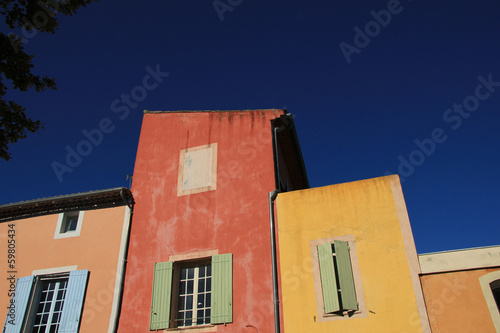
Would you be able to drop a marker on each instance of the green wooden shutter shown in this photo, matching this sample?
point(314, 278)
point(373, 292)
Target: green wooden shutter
point(162, 294)
point(222, 289)
point(328, 280)
point(346, 279)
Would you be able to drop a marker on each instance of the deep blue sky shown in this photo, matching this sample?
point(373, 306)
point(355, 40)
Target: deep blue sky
point(355, 120)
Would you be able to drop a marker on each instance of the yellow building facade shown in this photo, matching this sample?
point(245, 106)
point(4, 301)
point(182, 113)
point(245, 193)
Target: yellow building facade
point(347, 260)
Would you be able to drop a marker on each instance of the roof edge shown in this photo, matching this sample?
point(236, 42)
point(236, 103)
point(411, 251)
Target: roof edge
point(461, 259)
point(118, 196)
point(214, 111)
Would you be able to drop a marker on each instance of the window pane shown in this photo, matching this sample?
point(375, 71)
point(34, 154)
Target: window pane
point(202, 271)
point(182, 301)
point(189, 315)
point(191, 273)
point(200, 317)
point(72, 222)
point(58, 306)
point(496, 295)
point(201, 286)
point(55, 318)
point(189, 302)
point(209, 284)
point(208, 300)
point(183, 288)
point(190, 286)
point(183, 273)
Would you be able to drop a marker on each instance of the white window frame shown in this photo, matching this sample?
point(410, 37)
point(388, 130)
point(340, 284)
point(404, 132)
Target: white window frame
point(35, 299)
point(59, 233)
point(175, 297)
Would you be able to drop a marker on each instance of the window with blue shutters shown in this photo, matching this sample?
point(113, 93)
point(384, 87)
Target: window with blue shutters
point(48, 303)
point(192, 293)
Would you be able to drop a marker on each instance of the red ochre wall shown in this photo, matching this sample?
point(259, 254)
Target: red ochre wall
point(234, 218)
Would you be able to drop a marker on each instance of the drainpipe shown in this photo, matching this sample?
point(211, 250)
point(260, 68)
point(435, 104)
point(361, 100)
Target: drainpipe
point(272, 197)
point(274, 262)
point(116, 308)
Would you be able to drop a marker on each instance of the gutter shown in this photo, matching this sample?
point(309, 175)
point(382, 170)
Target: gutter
point(272, 197)
point(122, 263)
point(272, 225)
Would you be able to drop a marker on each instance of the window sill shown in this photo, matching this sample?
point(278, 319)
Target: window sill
point(193, 329)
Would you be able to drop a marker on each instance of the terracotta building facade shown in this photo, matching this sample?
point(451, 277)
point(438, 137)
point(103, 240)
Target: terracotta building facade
point(200, 246)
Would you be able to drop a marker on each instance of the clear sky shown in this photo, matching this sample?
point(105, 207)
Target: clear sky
point(376, 87)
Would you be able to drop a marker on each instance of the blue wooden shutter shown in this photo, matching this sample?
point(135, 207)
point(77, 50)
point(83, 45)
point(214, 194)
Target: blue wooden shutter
point(162, 295)
point(222, 289)
point(328, 280)
point(21, 297)
point(346, 279)
point(73, 302)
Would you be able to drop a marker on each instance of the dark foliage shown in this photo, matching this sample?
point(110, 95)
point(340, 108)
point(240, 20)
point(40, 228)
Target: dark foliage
point(16, 66)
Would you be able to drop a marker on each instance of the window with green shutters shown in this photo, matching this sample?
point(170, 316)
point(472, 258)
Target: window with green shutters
point(192, 293)
point(337, 281)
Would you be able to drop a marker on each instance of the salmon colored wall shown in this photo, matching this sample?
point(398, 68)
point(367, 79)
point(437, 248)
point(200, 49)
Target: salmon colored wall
point(456, 303)
point(96, 249)
point(234, 218)
point(372, 212)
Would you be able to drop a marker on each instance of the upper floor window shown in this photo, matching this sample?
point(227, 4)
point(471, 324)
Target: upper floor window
point(69, 224)
point(337, 279)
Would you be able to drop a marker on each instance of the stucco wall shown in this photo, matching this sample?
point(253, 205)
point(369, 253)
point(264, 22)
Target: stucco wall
point(96, 249)
point(233, 218)
point(456, 302)
point(373, 212)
